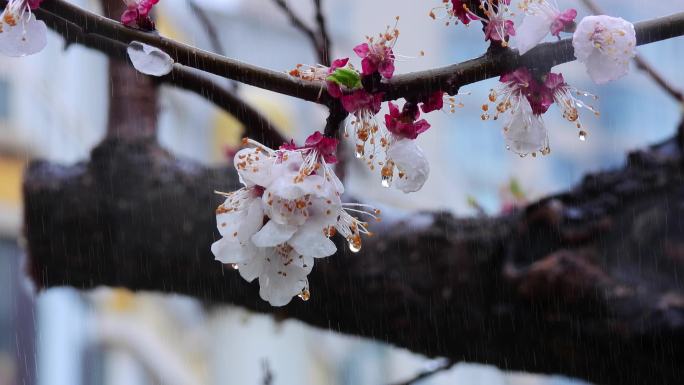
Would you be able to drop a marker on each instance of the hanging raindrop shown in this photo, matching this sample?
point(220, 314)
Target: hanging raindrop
point(386, 181)
point(234, 266)
point(583, 135)
point(355, 247)
point(304, 295)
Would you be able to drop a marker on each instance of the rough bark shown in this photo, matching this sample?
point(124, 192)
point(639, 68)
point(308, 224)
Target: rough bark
point(585, 283)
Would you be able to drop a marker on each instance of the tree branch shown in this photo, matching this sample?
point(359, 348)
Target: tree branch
point(256, 125)
point(411, 85)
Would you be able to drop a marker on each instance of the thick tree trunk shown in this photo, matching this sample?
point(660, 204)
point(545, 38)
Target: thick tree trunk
point(586, 283)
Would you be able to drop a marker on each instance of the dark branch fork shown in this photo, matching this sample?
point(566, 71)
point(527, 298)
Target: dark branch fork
point(411, 85)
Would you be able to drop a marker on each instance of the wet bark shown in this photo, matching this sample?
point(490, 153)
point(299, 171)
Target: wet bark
point(586, 283)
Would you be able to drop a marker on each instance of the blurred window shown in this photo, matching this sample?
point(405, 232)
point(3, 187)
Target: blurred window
point(4, 99)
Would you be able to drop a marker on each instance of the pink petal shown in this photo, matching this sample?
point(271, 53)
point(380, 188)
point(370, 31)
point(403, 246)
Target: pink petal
point(386, 68)
point(338, 63)
point(368, 66)
point(362, 50)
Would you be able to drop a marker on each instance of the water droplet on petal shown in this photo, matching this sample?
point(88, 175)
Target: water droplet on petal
point(583, 135)
point(386, 181)
point(304, 295)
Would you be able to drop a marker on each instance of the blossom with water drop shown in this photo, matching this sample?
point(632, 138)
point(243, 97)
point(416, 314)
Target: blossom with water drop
point(282, 219)
point(406, 167)
point(524, 131)
point(363, 107)
point(524, 97)
point(542, 17)
point(569, 100)
point(605, 45)
point(137, 14)
point(21, 34)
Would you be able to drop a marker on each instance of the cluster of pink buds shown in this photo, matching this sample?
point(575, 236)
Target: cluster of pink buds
point(523, 98)
point(137, 14)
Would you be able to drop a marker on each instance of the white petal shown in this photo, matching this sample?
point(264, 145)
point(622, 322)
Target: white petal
point(525, 132)
point(310, 241)
point(253, 267)
point(229, 223)
point(283, 278)
point(605, 45)
point(273, 234)
point(252, 222)
point(411, 160)
point(149, 60)
point(226, 250)
point(286, 187)
point(28, 37)
point(603, 70)
point(254, 166)
point(581, 38)
point(531, 32)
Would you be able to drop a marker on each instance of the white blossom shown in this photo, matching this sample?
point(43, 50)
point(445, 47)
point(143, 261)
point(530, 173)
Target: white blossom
point(605, 45)
point(21, 34)
point(274, 227)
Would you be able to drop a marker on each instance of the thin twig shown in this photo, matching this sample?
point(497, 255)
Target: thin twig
point(428, 373)
point(212, 32)
point(417, 84)
point(323, 35)
point(298, 23)
point(642, 63)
